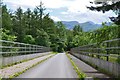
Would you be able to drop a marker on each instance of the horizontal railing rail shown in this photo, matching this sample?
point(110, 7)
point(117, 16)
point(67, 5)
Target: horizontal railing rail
point(9, 48)
point(108, 48)
point(105, 56)
point(16, 52)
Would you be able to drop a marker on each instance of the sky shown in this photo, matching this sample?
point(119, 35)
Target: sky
point(64, 10)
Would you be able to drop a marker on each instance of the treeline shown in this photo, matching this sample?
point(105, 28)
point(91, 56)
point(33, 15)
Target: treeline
point(36, 27)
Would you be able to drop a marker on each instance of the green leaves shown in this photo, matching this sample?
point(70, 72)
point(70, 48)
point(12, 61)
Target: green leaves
point(36, 27)
point(42, 38)
point(6, 35)
point(29, 39)
point(106, 6)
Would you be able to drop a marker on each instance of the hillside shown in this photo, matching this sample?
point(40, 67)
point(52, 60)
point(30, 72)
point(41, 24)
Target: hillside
point(87, 26)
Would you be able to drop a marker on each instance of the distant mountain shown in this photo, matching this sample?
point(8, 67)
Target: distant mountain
point(70, 24)
point(87, 26)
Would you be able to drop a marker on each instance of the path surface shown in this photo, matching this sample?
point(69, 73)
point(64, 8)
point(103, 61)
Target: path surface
point(58, 66)
point(88, 70)
point(9, 71)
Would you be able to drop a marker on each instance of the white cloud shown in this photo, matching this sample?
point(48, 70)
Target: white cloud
point(96, 17)
point(79, 6)
point(55, 18)
point(50, 3)
point(49, 11)
point(47, 3)
point(57, 3)
point(64, 13)
point(76, 9)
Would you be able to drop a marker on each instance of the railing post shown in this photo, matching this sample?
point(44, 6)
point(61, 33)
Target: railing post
point(1, 57)
point(35, 49)
point(30, 48)
point(98, 54)
point(25, 49)
point(107, 57)
point(1, 60)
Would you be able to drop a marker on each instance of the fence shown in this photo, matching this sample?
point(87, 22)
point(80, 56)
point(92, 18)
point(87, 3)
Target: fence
point(11, 52)
point(105, 56)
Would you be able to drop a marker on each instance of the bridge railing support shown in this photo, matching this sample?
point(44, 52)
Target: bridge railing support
point(106, 56)
point(14, 50)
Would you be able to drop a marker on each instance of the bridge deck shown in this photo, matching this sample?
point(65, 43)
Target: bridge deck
point(58, 66)
point(87, 69)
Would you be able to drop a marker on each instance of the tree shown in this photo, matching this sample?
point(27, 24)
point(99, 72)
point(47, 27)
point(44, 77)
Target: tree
point(40, 10)
point(42, 38)
point(77, 29)
point(28, 20)
point(48, 24)
point(62, 40)
point(6, 19)
point(19, 25)
point(29, 39)
point(115, 6)
point(6, 35)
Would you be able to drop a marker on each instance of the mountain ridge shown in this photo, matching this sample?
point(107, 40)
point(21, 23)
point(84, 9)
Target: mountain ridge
point(87, 26)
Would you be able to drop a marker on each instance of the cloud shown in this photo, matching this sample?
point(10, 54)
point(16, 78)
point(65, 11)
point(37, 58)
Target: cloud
point(69, 10)
point(50, 3)
point(47, 3)
point(55, 18)
point(64, 13)
point(79, 6)
point(96, 17)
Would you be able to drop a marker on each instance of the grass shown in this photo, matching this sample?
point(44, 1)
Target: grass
point(0, 78)
point(111, 58)
point(79, 73)
point(18, 73)
point(54, 52)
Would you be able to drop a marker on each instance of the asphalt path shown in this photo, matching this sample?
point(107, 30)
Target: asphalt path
point(58, 66)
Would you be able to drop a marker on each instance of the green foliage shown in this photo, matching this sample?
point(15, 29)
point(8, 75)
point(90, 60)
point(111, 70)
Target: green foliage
point(36, 27)
point(42, 38)
point(118, 60)
point(29, 39)
point(6, 18)
point(6, 35)
point(77, 29)
point(108, 5)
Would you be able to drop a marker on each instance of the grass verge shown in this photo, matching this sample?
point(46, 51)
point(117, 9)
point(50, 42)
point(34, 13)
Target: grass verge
point(79, 73)
point(54, 52)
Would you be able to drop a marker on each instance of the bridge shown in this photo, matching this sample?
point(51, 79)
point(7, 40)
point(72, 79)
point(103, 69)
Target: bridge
point(99, 60)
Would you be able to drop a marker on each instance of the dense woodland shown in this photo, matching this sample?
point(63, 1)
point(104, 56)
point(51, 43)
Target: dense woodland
point(36, 27)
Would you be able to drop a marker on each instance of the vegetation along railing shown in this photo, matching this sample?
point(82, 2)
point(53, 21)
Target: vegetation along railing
point(12, 52)
point(105, 55)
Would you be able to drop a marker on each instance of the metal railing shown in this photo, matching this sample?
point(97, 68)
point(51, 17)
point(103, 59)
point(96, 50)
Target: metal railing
point(104, 56)
point(9, 48)
point(15, 52)
point(105, 50)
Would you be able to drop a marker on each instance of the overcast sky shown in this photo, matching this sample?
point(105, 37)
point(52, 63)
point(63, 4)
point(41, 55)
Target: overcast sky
point(64, 10)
